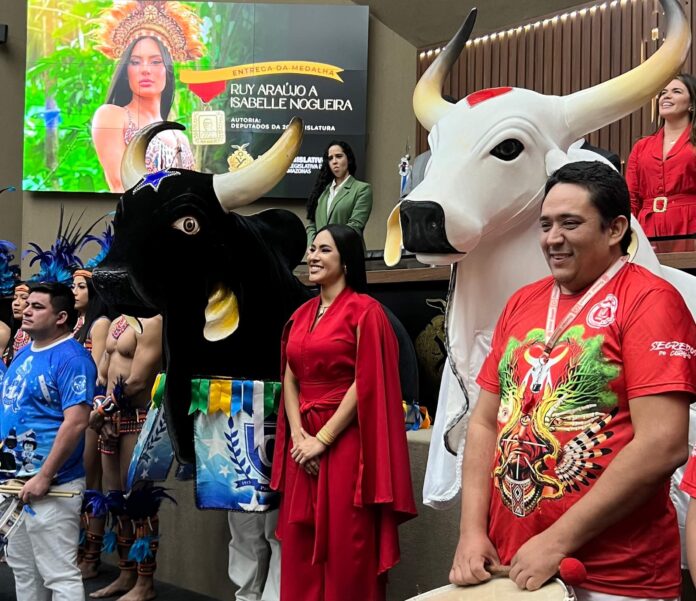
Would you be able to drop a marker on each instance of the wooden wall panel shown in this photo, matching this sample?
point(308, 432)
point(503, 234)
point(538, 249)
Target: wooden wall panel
point(565, 52)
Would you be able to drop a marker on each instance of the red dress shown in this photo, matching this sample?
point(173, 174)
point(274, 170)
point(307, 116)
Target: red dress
point(339, 529)
point(651, 180)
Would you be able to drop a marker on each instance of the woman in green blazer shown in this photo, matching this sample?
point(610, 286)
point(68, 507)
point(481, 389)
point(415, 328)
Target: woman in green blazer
point(337, 196)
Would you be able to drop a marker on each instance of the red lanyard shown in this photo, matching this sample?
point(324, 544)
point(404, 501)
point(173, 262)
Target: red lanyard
point(553, 333)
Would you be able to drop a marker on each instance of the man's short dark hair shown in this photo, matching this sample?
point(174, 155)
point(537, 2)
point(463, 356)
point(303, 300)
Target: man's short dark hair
point(606, 187)
point(62, 299)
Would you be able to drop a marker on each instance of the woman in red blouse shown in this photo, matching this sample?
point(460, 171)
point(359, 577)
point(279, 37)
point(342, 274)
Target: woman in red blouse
point(341, 460)
point(661, 171)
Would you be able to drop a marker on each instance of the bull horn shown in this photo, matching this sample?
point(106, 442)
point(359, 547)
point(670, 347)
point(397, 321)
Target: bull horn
point(133, 162)
point(243, 187)
point(428, 103)
point(588, 110)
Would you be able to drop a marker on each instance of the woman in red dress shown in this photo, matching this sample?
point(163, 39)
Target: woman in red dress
point(661, 170)
point(341, 460)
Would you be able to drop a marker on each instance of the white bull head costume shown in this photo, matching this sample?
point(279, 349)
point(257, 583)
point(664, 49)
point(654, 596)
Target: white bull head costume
point(478, 207)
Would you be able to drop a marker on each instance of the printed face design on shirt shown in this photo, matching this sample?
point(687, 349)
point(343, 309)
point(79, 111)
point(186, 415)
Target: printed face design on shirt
point(573, 396)
point(12, 391)
point(19, 452)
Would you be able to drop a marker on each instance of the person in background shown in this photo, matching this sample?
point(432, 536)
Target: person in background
point(661, 170)
point(337, 197)
point(90, 331)
point(19, 337)
point(127, 371)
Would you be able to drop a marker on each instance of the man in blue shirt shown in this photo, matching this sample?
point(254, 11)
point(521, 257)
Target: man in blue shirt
point(46, 399)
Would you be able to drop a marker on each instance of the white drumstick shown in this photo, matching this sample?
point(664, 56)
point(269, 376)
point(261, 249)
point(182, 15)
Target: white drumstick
point(11, 489)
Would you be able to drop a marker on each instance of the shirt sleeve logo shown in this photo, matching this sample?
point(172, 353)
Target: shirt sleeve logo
point(603, 313)
point(79, 384)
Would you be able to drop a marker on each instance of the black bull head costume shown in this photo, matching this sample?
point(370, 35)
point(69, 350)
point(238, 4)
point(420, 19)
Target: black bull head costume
point(179, 250)
point(222, 282)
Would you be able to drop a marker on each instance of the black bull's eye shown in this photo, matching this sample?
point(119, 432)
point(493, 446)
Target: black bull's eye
point(188, 225)
point(508, 150)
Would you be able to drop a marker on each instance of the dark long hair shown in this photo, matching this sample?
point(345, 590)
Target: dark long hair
point(350, 249)
point(120, 92)
point(96, 308)
point(325, 177)
point(689, 82)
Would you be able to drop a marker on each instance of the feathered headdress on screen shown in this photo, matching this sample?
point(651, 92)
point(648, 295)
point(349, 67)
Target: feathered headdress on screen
point(175, 25)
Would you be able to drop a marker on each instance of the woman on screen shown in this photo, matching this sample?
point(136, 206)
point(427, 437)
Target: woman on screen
point(146, 39)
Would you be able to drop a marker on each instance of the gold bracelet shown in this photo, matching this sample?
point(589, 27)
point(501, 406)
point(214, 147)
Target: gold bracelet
point(321, 439)
point(328, 434)
point(325, 437)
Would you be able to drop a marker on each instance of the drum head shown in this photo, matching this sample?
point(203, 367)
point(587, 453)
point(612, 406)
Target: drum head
point(496, 589)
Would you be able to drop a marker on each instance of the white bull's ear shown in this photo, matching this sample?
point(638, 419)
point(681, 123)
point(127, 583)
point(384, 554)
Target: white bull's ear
point(394, 241)
point(556, 158)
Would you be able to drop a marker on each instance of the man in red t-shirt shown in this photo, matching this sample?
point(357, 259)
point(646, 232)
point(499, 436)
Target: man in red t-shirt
point(583, 411)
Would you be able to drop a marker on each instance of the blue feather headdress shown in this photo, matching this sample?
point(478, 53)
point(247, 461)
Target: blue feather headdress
point(9, 274)
point(59, 262)
point(104, 241)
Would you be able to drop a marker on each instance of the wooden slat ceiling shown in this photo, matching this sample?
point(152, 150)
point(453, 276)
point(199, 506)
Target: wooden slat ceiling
point(428, 22)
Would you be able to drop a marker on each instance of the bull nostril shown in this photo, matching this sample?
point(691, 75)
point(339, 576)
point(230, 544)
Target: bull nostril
point(423, 226)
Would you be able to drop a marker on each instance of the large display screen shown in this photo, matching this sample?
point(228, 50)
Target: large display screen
point(232, 74)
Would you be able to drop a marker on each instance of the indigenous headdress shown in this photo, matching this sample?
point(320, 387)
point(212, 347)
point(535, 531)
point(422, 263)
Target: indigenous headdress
point(175, 25)
point(104, 241)
point(59, 262)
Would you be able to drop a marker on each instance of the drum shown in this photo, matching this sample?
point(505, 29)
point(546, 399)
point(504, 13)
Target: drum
point(11, 516)
point(498, 589)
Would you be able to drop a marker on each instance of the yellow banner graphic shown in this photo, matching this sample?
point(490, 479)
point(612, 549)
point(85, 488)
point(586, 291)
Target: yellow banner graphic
point(259, 69)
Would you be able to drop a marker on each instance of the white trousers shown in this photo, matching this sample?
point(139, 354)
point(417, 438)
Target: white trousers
point(42, 552)
point(585, 595)
point(254, 563)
